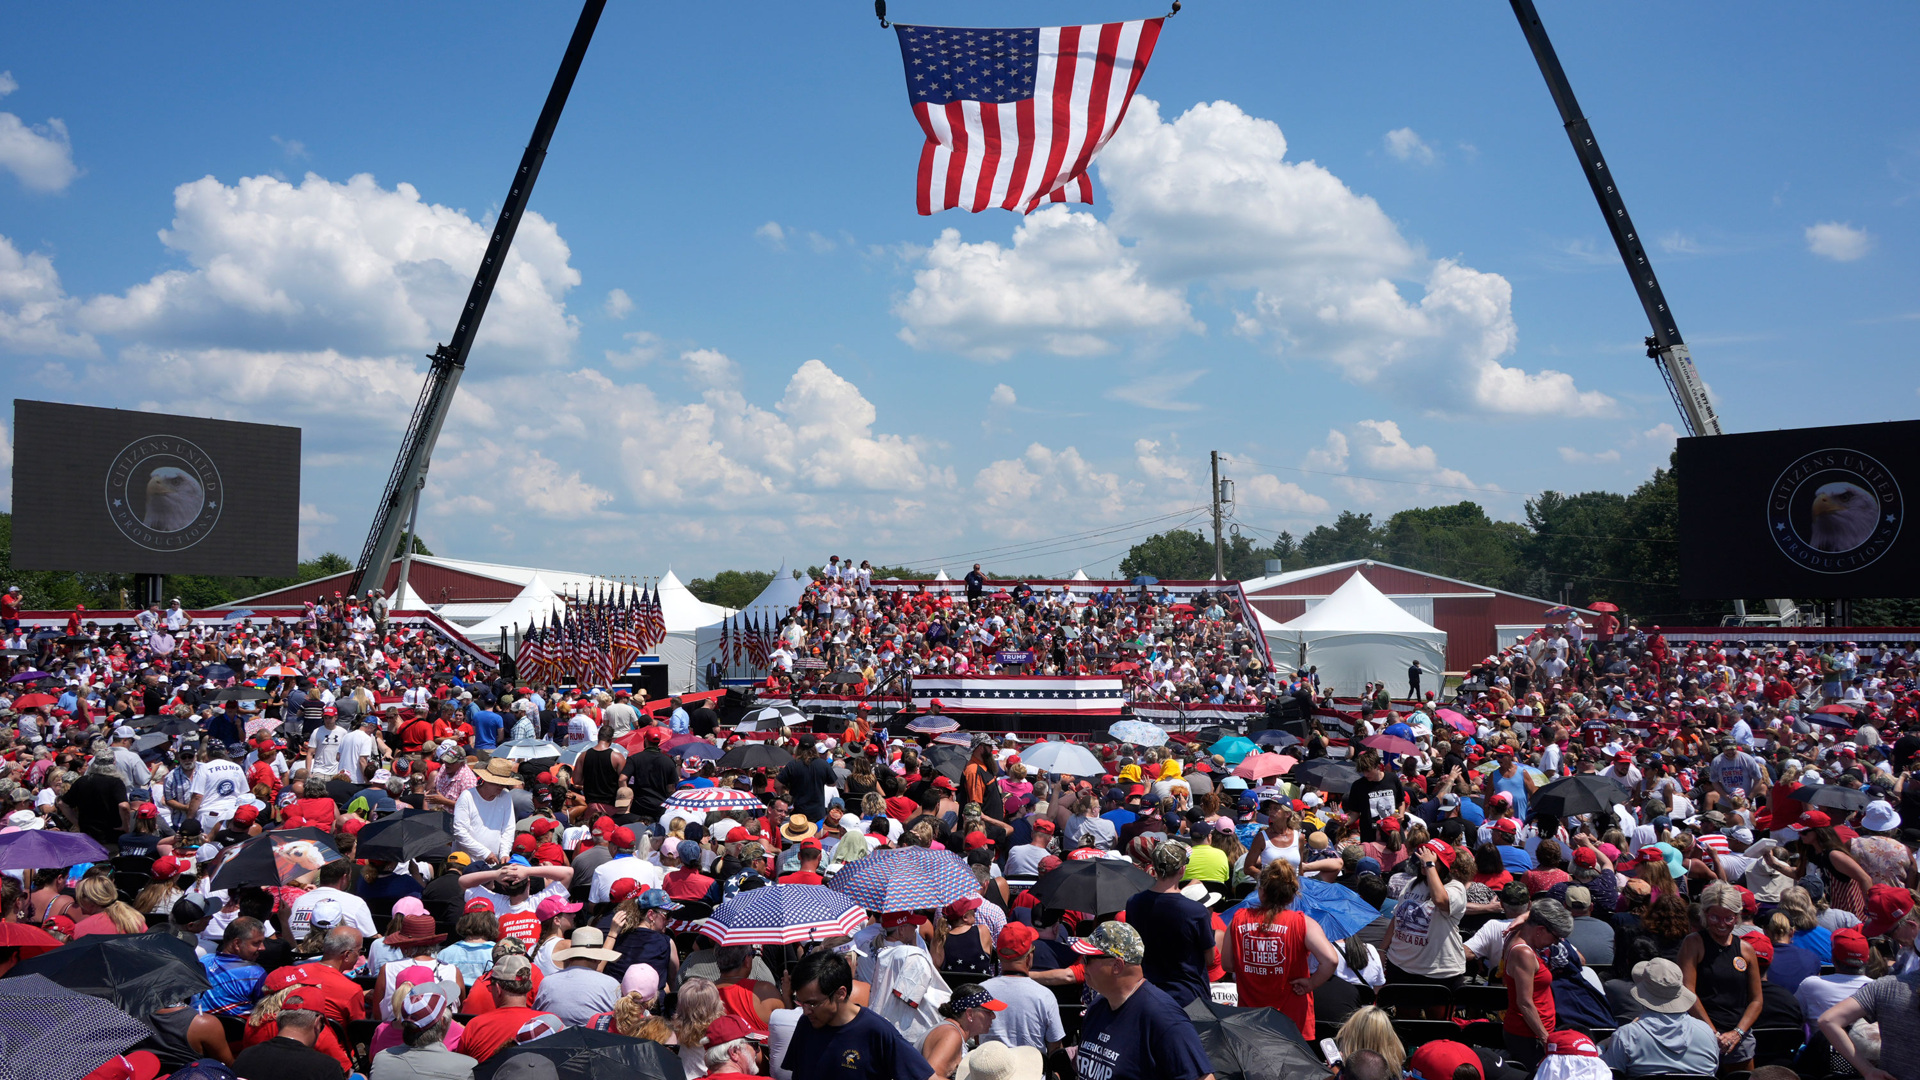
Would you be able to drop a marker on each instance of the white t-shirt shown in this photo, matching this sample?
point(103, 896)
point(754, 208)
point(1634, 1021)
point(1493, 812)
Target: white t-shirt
point(352, 909)
point(220, 784)
point(528, 901)
point(1425, 941)
point(649, 874)
point(325, 743)
point(354, 746)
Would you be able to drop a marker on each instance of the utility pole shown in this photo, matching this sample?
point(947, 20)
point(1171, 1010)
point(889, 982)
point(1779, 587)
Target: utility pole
point(1219, 550)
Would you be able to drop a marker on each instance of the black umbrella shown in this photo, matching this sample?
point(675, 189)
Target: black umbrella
point(1330, 774)
point(242, 693)
point(1096, 886)
point(1832, 796)
point(1253, 1044)
point(150, 742)
point(48, 1032)
point(1572, 796)
point(844, 677)
point(408, 835)
point(755, 755)
point(276, 858)
point(216, 672)
point(138, 973)
point(146, 723)
point(949, 761)
point(586, 1054)
point(1277, 739)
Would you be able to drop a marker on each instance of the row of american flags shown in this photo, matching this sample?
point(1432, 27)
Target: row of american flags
point(594, 639)
point(744, 639)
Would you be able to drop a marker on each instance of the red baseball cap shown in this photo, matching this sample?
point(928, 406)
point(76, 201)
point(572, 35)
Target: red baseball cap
point(525, 843)
point(1851, 944)
point(1044, 824)
point(1016, 940)
point(1586, 856)
point(550, 855)
point(943, 783)
point(541, 826)
point(624, 888)
point(478, 904)
point(729, 1028)
point(977, 839)
point(1812, 819)
point(1624, 757)
point(1505, 825)
point(1762, 945)
point(1439, 1060)
point(893, 920)
point(1439, 849)
point(621, 837)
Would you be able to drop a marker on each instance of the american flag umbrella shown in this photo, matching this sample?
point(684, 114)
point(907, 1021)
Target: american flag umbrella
point(905, 879)
point(932, 725)
point(708, 799)
point(784, 914)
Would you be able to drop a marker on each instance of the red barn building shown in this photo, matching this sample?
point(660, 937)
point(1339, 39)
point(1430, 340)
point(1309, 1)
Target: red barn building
point(1477, 618)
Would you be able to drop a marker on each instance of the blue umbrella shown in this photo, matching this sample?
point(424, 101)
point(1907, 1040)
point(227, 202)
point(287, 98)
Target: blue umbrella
point(1277, 739)
point(1146, 579)
point(699, 751)
point(1234, 748)
point(1139, 733)
point(932, 724)
point(1338, 909)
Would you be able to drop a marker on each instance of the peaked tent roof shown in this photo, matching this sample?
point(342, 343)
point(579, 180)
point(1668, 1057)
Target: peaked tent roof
point(683, 610)
point(782, 594)
point(1358, 605)
point(1079, 575)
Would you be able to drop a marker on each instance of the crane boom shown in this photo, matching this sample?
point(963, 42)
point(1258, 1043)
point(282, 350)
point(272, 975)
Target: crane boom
point(1665, 344)
point(450, 359)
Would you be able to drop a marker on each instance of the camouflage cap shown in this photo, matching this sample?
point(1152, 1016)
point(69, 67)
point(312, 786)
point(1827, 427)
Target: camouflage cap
point(1115, 939)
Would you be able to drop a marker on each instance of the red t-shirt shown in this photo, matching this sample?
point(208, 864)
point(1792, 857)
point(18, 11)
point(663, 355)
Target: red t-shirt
point(1269, 957)
point(798, 877)
point(687, 883)
point(318, 813)
point(524, 925)
point(480, 996)
point(95, 924)
point(490, 1031)
point(742, 1002)
point(342, 998)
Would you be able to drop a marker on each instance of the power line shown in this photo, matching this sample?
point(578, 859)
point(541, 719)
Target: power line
point(1380, 479)
point(1530, 532)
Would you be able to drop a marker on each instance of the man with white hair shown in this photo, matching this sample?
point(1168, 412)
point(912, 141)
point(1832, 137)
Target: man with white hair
point(733, 1049)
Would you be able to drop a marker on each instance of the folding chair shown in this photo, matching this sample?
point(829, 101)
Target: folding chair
point(1403, 999)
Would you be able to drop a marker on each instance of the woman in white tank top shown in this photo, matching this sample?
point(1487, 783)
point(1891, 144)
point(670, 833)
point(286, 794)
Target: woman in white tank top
point(1280, 839)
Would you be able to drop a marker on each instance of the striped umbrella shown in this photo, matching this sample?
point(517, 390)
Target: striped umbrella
point(708, 799)
point(285, 671)
point(906, 879)
point(784, 914)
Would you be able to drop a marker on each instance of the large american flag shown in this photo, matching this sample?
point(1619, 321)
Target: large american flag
point(1014, 117)
point(1087, 695)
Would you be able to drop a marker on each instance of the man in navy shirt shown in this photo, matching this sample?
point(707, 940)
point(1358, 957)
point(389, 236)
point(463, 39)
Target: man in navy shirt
point(1176, 933)
point(838, 1040)
point(1134, 1031)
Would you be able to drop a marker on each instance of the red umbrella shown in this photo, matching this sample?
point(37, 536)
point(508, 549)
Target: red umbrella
point(30, 701)
point(1601, 605)
point(1456, 721)
point(1837, 709)
point(1391, 744)
point(29, 939)
point(1124, 665)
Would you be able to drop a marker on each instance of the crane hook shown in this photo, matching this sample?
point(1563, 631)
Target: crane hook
point(880, 12)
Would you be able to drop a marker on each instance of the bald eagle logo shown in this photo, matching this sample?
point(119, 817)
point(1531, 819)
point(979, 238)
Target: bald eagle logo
point(164, 493)
point(174, 498)
point(1835, 511)
point(1844, 516)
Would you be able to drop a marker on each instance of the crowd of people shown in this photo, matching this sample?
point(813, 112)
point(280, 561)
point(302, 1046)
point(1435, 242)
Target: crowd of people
point(1165, 647)
point(1739, 895)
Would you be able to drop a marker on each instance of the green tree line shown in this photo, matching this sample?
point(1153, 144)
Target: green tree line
point(58, 590)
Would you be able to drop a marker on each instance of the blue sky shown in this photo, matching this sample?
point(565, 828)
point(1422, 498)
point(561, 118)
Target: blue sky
point(1332, 242)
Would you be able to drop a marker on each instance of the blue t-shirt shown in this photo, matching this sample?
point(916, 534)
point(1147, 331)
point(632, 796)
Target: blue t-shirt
point(1178, 934)
point(486, 728)
point(1517, 860)
point(1148, 1038)
point(866, 1047)
point(1121, 818)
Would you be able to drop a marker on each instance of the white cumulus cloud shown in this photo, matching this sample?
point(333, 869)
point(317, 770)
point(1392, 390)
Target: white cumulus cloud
point(1576, 456)
point(1158, 391)
point(354, 267)
point(1407, 145)
point(1066, 285)
point(1003, 396)
point(618, 304)
point(1209, 200)
point(34, 309)
point(1838, 241)
point(1268, 492)
point(40, 156)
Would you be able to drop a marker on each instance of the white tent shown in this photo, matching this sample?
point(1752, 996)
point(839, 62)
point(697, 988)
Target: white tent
point(780, 597)
point(1354, 637)
point(942, 575)
point(687, 617)
point(1079, 575)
